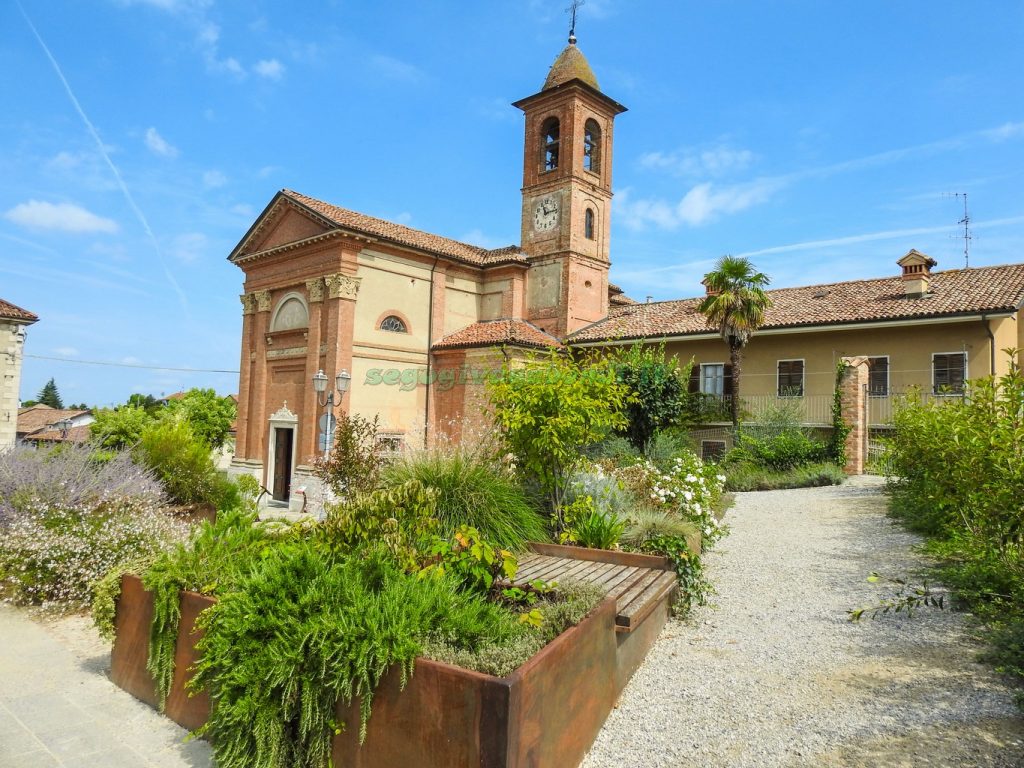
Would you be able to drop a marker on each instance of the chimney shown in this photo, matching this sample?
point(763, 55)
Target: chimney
point(917, 273)
point(707, 288)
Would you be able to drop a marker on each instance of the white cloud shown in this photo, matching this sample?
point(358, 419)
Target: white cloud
point(242, 209)
point(701, 204)
point(390, 67)
point(714, 161)
point(1004, 131)
point(189, 247)
point(63, 217)
point(272, 69)
point(65, 351)
point(214, 179)
point(64, 161)
point(158, 145)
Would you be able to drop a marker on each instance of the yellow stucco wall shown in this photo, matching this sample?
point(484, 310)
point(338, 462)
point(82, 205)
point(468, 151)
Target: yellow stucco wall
point(909, 348)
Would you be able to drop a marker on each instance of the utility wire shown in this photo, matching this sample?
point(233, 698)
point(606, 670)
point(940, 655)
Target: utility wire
point(130, 365)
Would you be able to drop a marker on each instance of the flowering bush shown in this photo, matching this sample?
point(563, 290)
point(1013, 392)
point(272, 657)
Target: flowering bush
point(687, 487)
point(66, 519)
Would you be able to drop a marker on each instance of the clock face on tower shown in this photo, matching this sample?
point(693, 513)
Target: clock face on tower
point(545, 214)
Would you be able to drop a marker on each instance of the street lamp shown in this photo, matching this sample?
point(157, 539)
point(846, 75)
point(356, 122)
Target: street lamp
point(328, 403)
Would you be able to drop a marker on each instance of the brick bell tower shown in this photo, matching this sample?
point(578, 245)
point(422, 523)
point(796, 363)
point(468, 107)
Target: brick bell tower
point(567, 195)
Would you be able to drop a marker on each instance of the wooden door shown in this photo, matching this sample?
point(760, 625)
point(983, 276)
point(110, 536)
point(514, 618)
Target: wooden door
point(282, 462)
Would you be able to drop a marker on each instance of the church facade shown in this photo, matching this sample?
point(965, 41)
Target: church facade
point(414, 317)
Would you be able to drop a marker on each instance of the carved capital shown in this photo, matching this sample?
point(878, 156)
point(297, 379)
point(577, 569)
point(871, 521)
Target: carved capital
point(342, 286)
point(315, 289)
point(248, 303)
point(262, 301)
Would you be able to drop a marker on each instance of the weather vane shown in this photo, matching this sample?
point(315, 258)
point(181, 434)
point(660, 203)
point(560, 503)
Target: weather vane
point(572, 9)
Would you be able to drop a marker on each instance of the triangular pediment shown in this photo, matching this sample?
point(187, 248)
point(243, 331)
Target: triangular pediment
point(281, 223)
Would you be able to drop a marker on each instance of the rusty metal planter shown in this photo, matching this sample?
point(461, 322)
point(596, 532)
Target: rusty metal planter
point(546, 713)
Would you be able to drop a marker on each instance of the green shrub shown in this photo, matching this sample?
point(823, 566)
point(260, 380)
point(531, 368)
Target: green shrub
point(207, 413)
point(119, 428)
point(548, 411)
point(694, 587)
point(613, 447)
point(355, 461)
point(303, 631)
point(645, 524)
point(744, 476)
point(182, 462)
point(469, 489)
point(588, 526)
point(667, 446)
point(658, 386)
point(574, 600)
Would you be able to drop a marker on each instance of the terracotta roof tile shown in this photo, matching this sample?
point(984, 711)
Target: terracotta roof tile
point(403, 235)
point(9, 311)
point(491, 333)
point(79, 434)
point(39, 416)
point(953, 292)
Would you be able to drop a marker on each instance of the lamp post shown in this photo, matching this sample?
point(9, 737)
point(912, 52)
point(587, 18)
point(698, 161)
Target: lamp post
point(328, 403)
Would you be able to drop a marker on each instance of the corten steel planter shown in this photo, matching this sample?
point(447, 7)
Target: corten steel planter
point(131, 652)
point(546, 713)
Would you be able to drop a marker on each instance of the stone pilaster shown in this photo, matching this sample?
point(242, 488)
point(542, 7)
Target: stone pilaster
point(245, 394)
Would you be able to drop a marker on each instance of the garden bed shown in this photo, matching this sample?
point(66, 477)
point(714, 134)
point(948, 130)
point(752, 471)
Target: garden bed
point(546, 713)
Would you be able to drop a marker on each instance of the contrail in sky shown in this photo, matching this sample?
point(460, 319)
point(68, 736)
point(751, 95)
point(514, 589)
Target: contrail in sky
point(110, 163)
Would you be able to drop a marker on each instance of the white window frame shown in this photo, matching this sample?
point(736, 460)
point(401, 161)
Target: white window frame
point(700, 383)
point(966, 361)
point(803, 376)
point(888, 375)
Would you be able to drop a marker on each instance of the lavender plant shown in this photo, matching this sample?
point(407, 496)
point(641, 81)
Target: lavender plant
point(69, 516)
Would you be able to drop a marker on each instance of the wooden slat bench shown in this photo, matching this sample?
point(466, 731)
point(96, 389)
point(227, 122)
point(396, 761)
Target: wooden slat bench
point(639, 583)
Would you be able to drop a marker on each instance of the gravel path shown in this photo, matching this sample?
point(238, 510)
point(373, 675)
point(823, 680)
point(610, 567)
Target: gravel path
point(774, 675)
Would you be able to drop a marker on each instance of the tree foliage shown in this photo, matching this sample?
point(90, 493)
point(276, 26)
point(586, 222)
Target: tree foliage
point(120, 428)
point(208, 414)
point(550, 409)
point(736, 304)
point(658, 386)
point(49, 395)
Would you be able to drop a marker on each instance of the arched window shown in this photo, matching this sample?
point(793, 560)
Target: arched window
point(592, 146)
point(588, 224)
point(550, 134)
point(291, 314)
point(393, 324)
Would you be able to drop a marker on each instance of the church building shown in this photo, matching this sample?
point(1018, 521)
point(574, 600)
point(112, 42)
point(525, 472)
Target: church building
point(411, 317)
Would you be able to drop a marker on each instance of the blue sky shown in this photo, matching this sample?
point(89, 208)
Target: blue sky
point(823, 140)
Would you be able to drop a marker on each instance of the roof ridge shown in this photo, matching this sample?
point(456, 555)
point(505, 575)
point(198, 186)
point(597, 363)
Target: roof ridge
point(862, 280)
point(293, 194)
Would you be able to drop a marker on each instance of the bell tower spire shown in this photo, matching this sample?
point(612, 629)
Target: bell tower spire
point(567, 193)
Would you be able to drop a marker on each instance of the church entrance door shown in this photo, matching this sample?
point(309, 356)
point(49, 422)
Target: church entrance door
point(283, 437)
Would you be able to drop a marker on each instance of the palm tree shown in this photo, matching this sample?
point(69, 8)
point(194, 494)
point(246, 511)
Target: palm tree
point(736, 303)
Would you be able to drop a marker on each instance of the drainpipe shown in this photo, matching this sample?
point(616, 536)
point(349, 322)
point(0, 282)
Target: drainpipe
point(991, 345)
point(430, 343)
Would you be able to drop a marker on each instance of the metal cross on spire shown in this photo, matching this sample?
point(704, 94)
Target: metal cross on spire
point(573, 7)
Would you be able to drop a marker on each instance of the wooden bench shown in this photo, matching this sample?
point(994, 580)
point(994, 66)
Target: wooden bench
point(639, 583)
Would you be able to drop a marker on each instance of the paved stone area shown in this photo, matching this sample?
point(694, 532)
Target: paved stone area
point(59, 708)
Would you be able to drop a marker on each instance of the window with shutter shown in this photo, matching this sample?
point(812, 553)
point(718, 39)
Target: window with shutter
point(948, 372)
point(791, 378)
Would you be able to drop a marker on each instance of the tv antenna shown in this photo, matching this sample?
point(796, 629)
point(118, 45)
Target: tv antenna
point(967, 237)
